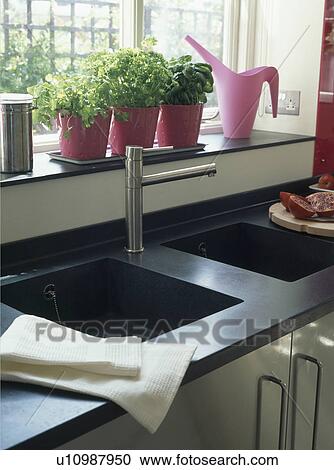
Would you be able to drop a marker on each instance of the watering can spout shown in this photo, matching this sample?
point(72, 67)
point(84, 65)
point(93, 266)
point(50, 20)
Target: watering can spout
point(204, 53)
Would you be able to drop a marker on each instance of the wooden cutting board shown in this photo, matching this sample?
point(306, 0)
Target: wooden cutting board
point(280, 216)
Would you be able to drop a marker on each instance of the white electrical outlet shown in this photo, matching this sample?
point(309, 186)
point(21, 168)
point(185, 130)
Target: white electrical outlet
point(288, 102)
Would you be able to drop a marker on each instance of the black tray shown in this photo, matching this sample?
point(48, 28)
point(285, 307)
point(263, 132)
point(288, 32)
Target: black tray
point(56, 155)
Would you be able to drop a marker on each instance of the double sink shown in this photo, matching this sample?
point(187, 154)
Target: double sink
point(109, 297)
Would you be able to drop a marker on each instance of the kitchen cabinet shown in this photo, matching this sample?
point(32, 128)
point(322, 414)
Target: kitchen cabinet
point(311, 407)
point(278, 396)
point(217, 411)
point(178, 431)
point(247, 403)
point(243, 404)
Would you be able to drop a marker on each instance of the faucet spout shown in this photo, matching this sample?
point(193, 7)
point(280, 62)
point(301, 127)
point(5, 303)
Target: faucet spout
point(180, 174)
point(134, 183)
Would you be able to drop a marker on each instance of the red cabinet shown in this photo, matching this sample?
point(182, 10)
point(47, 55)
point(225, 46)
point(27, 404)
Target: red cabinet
point(324, 148)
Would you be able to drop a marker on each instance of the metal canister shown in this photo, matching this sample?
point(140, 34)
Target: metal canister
point(16, 148)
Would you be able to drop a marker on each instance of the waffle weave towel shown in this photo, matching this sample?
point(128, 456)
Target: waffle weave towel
point(35, 340)
point(147, 396)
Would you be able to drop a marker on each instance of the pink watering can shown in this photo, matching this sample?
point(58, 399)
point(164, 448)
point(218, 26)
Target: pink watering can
point(239, 93)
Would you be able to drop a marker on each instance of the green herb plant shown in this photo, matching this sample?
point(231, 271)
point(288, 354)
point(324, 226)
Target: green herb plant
point(190, 82)
point(76, 95)
point(137, 78)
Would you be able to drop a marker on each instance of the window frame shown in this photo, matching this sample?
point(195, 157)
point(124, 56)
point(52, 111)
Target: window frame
point(238, 51)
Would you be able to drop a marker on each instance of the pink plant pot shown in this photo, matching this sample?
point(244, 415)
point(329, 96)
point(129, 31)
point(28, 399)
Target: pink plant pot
point(179, 125)
point(80, 142)
point(132, 126)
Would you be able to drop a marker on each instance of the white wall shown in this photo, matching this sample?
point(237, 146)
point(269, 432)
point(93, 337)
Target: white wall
point(39, 208)
point(279, 26)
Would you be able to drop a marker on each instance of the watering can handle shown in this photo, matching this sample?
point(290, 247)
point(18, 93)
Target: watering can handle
point(273, 80)
point(270, 75)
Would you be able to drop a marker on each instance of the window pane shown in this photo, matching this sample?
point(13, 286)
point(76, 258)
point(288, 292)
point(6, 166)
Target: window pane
point(38, 37)
point(170, 21)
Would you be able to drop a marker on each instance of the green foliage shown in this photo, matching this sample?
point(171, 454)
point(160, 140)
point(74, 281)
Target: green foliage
point(190, 82)
point(77, 95)
point(23, 65)
point(137, 77)
point(121, 116)
point(148, 43)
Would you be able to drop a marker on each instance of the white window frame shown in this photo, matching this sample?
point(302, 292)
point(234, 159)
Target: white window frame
point(211, 122)
point(131, 23)
point(239, 33)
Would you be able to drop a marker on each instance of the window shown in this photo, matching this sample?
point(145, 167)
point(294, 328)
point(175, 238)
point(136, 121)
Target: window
point(42, 36)
point(38, 37)
point(169, 22)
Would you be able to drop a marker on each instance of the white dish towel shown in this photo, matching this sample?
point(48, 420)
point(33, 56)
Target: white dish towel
point(35, 340)
point(147, 396)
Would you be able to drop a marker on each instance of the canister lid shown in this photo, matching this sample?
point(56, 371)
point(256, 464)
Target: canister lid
point(15, 98)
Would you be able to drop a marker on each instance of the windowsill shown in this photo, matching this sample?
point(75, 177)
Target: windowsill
point(49, 142)
point(46, 143)
point(216, 143)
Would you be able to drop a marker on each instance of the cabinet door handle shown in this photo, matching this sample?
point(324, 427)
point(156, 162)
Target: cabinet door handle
point(282, 385)
point(319, 365)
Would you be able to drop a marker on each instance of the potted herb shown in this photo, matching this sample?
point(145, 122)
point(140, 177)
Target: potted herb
point(182, 106)
point(137, 80)
point(81, 106)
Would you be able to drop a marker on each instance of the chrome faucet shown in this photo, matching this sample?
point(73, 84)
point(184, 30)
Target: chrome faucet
point(134, 183)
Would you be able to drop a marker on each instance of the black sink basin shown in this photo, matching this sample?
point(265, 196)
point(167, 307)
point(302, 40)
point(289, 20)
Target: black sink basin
point(109, 297)
point(283, 255)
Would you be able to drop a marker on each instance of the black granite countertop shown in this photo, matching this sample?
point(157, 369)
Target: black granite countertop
point(45, 169)
point(36, 417)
